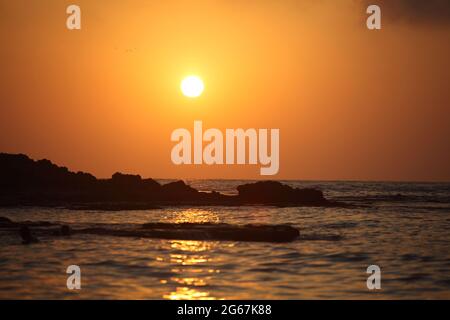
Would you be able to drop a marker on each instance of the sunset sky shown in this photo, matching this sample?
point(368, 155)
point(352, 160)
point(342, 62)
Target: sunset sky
point(350, 103)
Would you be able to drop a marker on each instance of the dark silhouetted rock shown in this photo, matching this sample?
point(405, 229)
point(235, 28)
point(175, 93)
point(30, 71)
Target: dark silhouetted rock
point(65, 231)
point(178, 190)
point(5, 220)
point(126, 179)
point(175, 231)
point(222, 231)
point(27, 237)
point(201, 231)
point(273, 192)
point(24, 181)
point(6, 223)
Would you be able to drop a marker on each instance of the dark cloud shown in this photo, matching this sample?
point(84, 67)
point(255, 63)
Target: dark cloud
point(415, 11)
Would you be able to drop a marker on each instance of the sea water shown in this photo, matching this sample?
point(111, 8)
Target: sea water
point(404, 228)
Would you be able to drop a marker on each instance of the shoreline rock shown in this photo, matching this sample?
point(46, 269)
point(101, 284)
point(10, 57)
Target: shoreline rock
point(25, 182)
point(29, 231)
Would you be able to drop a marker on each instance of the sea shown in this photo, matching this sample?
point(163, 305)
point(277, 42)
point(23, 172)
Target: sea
point(403, 228)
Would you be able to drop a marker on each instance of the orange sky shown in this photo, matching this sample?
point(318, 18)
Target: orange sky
point(350, 103)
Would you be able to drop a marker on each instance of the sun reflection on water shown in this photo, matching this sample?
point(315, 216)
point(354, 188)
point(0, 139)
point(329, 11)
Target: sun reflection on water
point(194, 216)
point(192, 273)
point(185, 293)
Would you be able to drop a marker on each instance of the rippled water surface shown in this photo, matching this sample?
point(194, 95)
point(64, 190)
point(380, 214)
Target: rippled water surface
point(403, 228)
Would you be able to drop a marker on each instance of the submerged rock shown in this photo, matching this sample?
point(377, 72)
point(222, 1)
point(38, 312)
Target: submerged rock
point(27, 237)
point(172, 231)
point(222, 231)
point(63, 231)
point(203, 231)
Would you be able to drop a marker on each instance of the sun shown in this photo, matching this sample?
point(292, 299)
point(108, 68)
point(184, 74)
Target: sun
point(192, 86)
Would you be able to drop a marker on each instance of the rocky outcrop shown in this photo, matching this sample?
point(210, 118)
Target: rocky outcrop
point(273, 192)
point(24, 181)
point(29, 231)
point(202, 231)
